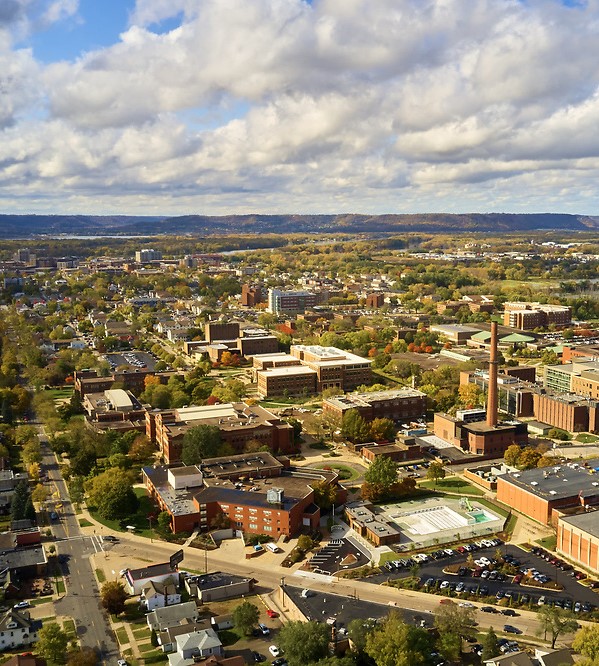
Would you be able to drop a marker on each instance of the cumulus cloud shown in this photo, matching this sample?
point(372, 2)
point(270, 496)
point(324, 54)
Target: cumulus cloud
point(330, 105)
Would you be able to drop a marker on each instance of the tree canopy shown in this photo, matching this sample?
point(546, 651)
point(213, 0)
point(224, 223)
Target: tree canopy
point(112, 494)
point(200, 442)
point(304, 642)
point(396, 643)
point(246, 616)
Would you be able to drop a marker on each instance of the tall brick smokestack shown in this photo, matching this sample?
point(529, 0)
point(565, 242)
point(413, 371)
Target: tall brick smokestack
point(492, 399)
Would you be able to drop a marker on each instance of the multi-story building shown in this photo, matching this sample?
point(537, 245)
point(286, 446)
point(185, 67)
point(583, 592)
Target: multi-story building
point(527, 316)
point(310, 369)
point(146, 255)
point(280, 301)
point(402, 405)
point(17, 629)
point(266, 499)
point(238, 424)
point(88, 381)
point(514, 396)
point(375, 300)
point(561, 377)
point(539, 493)
point(566, 411)
point(251, 295)
point(573, 352)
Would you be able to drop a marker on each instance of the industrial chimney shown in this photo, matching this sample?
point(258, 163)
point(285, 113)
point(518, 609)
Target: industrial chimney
point(492, 399)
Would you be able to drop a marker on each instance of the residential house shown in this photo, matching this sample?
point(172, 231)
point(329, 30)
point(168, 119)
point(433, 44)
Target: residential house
point(17, 629)
point(159, 594)
point(194, 646)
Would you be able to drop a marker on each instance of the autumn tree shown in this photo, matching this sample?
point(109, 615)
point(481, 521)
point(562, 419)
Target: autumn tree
point(382, 430)
point(325, 494)
point(586, 642)
point(113, 596)
point(85, 656)
point(454, 623)
point(512, 455)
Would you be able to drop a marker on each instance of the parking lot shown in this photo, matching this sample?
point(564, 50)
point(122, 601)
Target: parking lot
point(337, 555)
point(134, 359)
point(486, 590)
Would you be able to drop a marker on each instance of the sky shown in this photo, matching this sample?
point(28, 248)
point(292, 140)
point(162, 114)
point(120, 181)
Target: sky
point(170, 107)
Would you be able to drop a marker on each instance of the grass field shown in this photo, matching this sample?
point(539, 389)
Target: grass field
point(100, 576)
point(346, 473)
point(122, 635)
point(549, 543)
point(84, 522)
point(139, 520)
point(452, 484)
point(60, 394)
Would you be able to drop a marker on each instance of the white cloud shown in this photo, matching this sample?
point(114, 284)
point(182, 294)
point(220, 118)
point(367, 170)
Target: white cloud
point(335, 105)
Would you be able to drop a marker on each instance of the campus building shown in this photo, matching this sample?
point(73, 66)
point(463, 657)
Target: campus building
point(252, 493)
point(288, 302)
point(578, 538)
point(566, 411)
point(238, 424)
point(405, 404)
point(310, 369)
point(528, 316)
point(539, 493)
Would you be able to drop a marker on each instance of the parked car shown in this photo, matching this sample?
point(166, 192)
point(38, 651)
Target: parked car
point(110, 538)
point(22, 604)
point(272, 613)
point(264, 629)
point(489, 609)
point(258, 658)
point(274, 650)
point(510, 612)
point(509, 629)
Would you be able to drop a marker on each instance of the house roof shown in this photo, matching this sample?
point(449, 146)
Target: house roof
point(511, 659)
point(205, 639)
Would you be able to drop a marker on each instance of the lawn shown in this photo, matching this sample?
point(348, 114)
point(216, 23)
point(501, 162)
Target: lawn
point(42, 600)
point(452, 484)
point(139, 520)
point(494, 507)
point(60, 588)
point(142, 634)
point(84, 522)
point(345, 473)
point(100, 576)
point(549, 543)
point(585, 438)
point(60, 394)
point(122, 635)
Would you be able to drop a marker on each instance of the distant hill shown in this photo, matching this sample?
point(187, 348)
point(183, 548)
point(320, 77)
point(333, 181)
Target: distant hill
point(21, 226)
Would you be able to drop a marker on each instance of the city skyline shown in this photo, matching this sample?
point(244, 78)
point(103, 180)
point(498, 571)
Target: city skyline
point(283, 106)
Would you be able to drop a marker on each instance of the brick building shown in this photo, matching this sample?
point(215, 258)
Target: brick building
point(515, 397)
point(310, 369)
point(251, 295)
point(266, 499)
point(88, 381)
point(566, 411)
point(374, 301)
point(527, 316)
point(538, 493)
point(572, 352)
point(238, 424)
point(402, 405)
point(280, 301)
point(578, 538)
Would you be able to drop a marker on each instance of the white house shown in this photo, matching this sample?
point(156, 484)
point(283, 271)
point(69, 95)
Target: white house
point(17, 629)
point(137, 579)
point(202, 643)
point(158, 595)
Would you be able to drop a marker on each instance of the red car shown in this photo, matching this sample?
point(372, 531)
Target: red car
point(272, 613)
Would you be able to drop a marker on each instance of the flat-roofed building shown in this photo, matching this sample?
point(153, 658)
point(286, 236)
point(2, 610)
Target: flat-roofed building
point(291, 380)
point(238, 424)
point(335, 368)
point(280, 301)
point(113, 405)
point(527, 316)
point(537, 493)
point(455, 333)
point(566, 411)
point(578, 538)
point(400, 405)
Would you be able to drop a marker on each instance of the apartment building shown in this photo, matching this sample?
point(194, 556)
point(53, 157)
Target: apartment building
point(402, 405)
point(527, 316)
point(251, 295)
point(334, 367)
point(288, 302)
point(146, 255)
point(238, 424)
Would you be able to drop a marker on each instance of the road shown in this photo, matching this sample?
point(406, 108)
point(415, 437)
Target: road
point(131, 550)
point(81, 601)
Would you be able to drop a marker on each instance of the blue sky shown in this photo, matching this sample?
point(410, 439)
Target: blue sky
point(218, 106)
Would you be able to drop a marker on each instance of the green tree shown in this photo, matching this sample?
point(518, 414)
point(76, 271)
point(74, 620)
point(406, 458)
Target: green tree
point(555, 622)
point(304, 642)
point(396, 643)
point(381, 476)
point(305, 543)
point(359, 630)
point(456, 621)
point(586, 642)
point(246, 616)
point(112, 494)
point(435, 472)
point(113, 596)
point(354, 427)
point(164, 522)
point(18, 506)
point(490, 647)
point(203, 441)
point(52, 643)
point(382, 429)
point(297, 428)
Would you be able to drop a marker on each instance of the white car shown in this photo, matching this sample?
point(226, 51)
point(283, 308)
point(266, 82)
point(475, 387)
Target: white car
point(486, 561)
point(22, 604)
point(465, 604)
point(449, 552)
point(274, 650)
point(122, 662)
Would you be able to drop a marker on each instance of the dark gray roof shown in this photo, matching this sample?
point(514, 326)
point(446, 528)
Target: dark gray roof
point(559, 482)
point(587, 522)
point(218, 579)
point(152, 570)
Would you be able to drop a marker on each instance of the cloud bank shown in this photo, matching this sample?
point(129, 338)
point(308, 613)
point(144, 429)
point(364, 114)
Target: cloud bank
point(290, 106)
